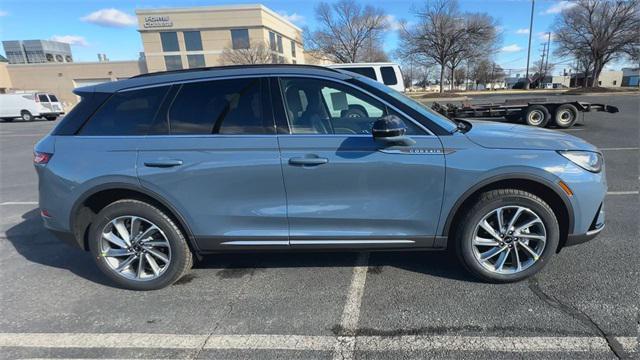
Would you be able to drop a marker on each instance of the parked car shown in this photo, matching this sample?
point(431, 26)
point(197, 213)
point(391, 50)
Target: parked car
point(150, 172)
point(28, 106)
point(385, 73)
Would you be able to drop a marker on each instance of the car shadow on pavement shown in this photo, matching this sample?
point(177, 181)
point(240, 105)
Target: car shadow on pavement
point(36, 244)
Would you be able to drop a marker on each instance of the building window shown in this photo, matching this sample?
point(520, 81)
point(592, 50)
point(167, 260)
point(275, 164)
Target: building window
point(240, 38)
point(195, 61)
point(280, 49)
point(272, 41)
point(49, 57)
point(293, 49)
point(60, 59)
point(173, 62)
point(192, 40)
point(169, 41)
point(615, 82)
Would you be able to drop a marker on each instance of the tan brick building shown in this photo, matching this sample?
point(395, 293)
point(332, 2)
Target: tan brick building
point(182, 38)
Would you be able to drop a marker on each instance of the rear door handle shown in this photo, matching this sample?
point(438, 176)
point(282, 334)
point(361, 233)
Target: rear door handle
point(163, 163)
point(308, 161)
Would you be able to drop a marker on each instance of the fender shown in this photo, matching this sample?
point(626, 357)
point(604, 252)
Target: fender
point(512, 176)
point(127, 186)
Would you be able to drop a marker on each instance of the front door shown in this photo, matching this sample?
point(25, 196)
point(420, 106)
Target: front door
point(215, 158)
point(344, 188)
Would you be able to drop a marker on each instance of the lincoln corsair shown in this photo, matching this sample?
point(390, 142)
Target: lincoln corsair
point(152, 172)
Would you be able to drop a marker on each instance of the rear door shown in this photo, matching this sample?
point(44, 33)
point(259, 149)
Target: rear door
point(213, 154)
point(344, 188)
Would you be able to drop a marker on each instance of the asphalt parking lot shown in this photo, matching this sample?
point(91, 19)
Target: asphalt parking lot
point(55, 303)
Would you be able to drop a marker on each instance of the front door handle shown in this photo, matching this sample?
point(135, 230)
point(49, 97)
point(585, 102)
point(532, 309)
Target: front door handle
point(308, 161)
point(163, 163)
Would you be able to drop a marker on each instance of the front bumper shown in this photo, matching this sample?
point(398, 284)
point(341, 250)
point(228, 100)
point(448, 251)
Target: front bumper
point(575, 239)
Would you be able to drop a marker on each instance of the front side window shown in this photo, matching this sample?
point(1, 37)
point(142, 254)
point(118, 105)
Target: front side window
point(195, 61)
point(324, 107)
point(364, 71)
point(388, 75)
point(240, 38)
point(219, 107)
point(192, 40)
point(126, 113)
point(53, 98)
point(169, 41)
point(173, 62)
point(43, 98)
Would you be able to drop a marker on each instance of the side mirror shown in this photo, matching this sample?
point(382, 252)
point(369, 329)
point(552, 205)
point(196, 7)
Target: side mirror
point(391, 130)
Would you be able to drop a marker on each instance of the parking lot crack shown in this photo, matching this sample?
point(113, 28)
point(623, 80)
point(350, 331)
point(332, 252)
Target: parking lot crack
point(572, 311)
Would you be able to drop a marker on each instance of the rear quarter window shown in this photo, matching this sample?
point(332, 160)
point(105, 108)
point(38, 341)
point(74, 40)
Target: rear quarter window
point(388, 75)
point(126, 113)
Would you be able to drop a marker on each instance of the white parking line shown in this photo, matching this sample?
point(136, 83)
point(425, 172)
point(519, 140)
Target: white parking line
point(312, 343)
point(620, 149)
point(19, 203)
point(622, 192)
point(345, 346)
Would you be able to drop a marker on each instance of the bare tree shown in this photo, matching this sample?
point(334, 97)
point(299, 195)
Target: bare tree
point(257, 53)
point(446, 36)
point(600, 29)
point(348, 32)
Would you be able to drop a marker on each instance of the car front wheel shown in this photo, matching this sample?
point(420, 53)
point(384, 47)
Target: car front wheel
point(138, 246)
point(507, 235)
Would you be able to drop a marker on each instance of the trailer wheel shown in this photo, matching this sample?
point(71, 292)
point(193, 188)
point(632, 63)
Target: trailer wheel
point(566, 116)
point(537, 115)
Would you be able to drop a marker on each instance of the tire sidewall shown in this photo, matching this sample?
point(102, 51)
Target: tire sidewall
point(177, 243)
point(545, 113)
point(466, 248)
point(26, 116)
point(573, 111)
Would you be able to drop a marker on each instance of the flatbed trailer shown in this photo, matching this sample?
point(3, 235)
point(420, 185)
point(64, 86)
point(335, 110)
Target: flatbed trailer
point(535, 112)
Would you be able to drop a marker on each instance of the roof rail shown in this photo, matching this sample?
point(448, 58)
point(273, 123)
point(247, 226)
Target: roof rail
point(230, 67)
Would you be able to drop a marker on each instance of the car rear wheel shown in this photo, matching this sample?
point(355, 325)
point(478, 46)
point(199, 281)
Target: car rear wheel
point(51, 118)
point(26, 115)
point(507, 235)
point(138, 246)
point(537, 115)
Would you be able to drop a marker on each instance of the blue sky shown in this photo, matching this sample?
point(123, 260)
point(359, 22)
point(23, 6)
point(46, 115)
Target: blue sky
point(93, 26)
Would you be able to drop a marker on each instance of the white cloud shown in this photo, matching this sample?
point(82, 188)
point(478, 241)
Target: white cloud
point(559, 7)
point(511, 48)
point(394, 23)
point(523, 31)
point(3, 13)
point(110, 17)
point(71, 39)
point(544, 36)
point(294, 18)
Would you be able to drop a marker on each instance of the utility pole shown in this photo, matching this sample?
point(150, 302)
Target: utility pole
point(546, 66)
point(541, 69)
point(533, 3)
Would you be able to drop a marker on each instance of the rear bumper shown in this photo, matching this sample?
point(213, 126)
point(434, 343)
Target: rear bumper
point(576, 239)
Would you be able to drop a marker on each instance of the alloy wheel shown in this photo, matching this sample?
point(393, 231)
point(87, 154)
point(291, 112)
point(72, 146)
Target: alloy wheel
point(135, 248)
point(509, 239)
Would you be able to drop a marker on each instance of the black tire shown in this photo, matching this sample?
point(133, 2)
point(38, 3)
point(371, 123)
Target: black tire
point(51, 118)
point(488, 202)
point(537, 115)
point(181, 257)
point(26, 115)
point(565, 116)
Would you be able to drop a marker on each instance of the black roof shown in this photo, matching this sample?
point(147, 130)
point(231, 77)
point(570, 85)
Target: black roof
point(162, 77)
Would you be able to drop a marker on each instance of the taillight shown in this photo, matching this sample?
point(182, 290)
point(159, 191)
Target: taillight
point(41, 158)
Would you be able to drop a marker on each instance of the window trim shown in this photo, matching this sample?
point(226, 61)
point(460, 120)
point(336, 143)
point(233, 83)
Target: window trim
point(282, 103)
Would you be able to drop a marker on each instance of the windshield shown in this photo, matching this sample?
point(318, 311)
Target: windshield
point(424, 110)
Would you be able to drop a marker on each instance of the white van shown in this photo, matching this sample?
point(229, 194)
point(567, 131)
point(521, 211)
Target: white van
point(28, 106)
point(385, 73)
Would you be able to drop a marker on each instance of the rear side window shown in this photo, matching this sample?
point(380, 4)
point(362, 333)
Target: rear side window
point(53, 98)
point(43, 98)
point(219, 107)
point(388, 75)
point(126, 113)
point(364, 71)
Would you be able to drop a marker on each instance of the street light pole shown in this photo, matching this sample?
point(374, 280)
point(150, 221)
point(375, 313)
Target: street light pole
point(533, 2)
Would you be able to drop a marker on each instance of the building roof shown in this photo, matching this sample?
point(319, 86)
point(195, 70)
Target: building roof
point(168, 77)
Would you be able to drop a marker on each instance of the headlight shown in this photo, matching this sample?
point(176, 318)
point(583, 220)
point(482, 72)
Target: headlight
point(588, 160)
